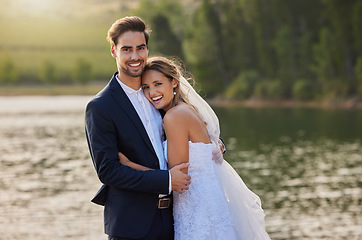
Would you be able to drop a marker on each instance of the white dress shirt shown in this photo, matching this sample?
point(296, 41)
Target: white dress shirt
point(151, 119)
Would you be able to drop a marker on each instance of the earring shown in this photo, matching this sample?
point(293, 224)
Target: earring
point(174, 93)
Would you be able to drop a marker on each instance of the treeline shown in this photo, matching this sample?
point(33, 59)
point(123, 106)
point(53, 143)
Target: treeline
point(271, 49)
point(48, 73)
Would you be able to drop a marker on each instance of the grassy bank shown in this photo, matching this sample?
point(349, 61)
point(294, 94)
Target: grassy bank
point(51, 90)
point(92, 89)
point(353, 103)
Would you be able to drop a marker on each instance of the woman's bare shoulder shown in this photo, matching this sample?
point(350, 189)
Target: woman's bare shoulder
point(181, 113)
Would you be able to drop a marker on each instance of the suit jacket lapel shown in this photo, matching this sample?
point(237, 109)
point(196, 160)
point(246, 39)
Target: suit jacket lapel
point(121, 98)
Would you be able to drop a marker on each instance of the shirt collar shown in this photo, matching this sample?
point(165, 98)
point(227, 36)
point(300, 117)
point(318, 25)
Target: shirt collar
point(127, 89)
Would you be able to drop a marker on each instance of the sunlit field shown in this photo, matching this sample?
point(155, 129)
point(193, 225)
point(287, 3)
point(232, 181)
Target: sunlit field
point(61, 43)
point(58, 32)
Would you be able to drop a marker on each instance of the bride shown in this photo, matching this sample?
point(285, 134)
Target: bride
point(218, 205)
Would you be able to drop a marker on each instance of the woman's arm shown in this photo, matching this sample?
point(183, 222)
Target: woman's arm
point(125, 161)
point(177, 132)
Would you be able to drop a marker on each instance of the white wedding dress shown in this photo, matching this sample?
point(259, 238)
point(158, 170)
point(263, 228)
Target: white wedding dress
point(218, 205)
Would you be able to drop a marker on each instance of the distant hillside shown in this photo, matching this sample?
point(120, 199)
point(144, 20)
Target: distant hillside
point(73, 9)
point(35, 32)
point(42, 24)
point(64, 9)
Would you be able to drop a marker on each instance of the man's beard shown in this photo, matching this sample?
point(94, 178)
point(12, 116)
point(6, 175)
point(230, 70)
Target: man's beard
point(132, 74)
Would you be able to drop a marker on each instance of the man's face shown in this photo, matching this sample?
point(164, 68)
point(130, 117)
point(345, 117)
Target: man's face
point(131, 53)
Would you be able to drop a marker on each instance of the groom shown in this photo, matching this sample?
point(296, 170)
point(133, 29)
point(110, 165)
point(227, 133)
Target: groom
point(137, 204)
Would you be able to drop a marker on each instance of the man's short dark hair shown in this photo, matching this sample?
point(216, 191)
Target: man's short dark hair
point(133, 24)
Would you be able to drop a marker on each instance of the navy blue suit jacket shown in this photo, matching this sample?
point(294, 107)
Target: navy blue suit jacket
point(129, 196)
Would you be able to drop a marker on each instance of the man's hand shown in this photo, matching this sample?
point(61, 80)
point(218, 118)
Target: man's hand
point(180, 181)
point(217, 153)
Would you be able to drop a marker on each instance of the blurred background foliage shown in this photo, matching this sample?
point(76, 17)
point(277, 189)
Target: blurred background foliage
point(238, 49)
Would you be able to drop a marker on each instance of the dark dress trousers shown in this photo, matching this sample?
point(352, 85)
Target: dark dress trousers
point(129, 196)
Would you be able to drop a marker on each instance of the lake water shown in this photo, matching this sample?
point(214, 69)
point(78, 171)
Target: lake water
point(305, 164)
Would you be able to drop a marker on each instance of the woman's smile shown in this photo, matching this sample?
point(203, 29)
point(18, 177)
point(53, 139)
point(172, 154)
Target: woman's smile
point(156, 99)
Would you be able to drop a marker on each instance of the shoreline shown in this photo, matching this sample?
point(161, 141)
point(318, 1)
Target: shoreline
point(353, 103)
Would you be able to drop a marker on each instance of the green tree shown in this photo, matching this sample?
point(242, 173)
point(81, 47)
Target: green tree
point(357, 27)
point(324, 57)
point(328, 65)
point(357, 34)
point(164, 39)
point(303, 90)
point(48, 73)
point(166, 20)
point(213, 16)
point(358, 71)
point(82, 72)
point(340, 17)
point(285, 56)
point(8, 73)
point(262, 22)
point(243, 86)
point(199, 48)
point(238, 42)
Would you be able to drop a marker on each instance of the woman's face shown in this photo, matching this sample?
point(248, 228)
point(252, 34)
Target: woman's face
point(158, 89)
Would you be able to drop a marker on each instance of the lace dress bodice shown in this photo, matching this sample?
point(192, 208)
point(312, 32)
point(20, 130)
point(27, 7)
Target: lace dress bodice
point(201, 212)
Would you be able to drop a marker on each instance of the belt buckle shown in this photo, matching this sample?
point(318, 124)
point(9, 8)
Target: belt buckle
point(163, 203)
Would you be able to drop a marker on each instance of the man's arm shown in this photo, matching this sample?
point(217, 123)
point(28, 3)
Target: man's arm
point(102, 141)
point(126, 162)
point(179, 180)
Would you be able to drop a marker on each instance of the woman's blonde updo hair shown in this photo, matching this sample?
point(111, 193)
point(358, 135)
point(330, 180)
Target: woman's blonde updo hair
point(172, 70)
